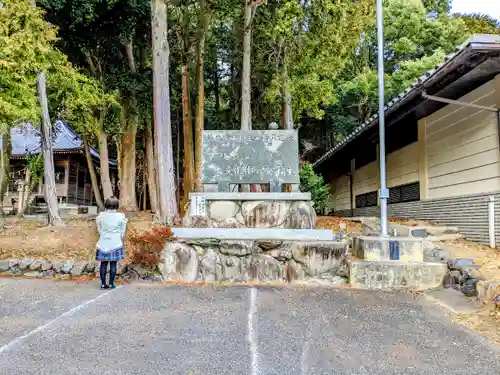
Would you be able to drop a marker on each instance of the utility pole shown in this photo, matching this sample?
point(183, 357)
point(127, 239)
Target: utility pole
point(383, 192)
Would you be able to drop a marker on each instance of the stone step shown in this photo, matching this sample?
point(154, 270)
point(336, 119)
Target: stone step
point(390, 275)
point(388, 248)
point(255, 234)
point(446, 237)
point(441, 230)
point(372, 225)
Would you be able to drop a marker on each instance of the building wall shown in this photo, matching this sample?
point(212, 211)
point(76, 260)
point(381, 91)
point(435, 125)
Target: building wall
point(468, 213)
point(402, 166)
point(461, 155)
point(340, 198)
point(366, 179)
point(462, 147)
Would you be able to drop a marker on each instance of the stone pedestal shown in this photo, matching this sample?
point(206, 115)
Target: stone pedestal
point(250, 210)
point(393, 263)
point(388, 248)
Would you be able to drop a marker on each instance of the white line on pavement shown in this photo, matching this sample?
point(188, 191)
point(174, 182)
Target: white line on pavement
point(251, 332)
point(19, 339)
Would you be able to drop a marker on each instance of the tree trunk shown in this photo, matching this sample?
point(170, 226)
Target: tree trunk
point(200, 103)
point(93, 175)
point(6, 155)
point(216, 84)
point(128, 198)
point(151, 170)
point(246, 112)
point(163, 126)
point(28, 189)
point(287, 98)
point(107, 188)
point(48, 158)
point(187, 120)
point(187, 130)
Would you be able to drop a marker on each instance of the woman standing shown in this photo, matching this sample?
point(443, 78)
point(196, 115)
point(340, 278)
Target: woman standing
point(111, 225)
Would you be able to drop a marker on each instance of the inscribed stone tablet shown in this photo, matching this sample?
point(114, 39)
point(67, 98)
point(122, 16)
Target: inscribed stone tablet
point(250, 157)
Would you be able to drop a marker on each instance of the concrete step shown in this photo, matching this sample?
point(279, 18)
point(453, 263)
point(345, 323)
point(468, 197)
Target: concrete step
point(390, 275)
point(388, 248)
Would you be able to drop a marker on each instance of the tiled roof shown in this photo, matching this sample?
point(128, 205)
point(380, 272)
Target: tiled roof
point(477, 42)
point(26, 140)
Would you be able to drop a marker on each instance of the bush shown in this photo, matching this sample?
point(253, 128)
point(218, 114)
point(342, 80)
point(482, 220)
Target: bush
point(146, 247)
point(314, 184)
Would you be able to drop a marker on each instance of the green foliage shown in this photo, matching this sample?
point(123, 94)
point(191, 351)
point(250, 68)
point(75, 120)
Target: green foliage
point(35, 168)
point(27, 46)
point(310, 43)
point(314, 184)
point(480, 24)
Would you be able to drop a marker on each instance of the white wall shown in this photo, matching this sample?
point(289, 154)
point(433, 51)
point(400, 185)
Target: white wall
point(366, 179)
point(402, 166)
point(462, 147)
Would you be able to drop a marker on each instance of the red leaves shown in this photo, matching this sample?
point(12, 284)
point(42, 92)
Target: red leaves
point(146, 247)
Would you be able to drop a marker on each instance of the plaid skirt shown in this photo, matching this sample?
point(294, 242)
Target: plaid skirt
point(112, 256)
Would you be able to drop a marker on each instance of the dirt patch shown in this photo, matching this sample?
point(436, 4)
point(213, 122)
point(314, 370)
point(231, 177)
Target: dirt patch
point(333, 223)
point(409, 222)
point(33, 239)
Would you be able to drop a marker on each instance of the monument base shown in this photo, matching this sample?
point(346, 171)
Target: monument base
point(250, 210)
point(212, 260)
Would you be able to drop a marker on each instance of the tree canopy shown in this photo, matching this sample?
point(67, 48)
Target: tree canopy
point(314, 61)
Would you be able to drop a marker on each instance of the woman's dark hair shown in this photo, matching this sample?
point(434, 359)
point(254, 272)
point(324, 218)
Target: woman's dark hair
point(111, 203)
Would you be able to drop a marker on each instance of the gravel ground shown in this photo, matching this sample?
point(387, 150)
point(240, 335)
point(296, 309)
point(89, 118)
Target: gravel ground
point(61, 328)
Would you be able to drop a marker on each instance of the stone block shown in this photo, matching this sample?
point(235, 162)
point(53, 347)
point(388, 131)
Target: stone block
point(388, 248)
point(180, 262)
point(319, 257)
point(388, 275)
point(254, 234)
point(4, 265)
point(250, 156)
point(222, 210)
point(372, 225)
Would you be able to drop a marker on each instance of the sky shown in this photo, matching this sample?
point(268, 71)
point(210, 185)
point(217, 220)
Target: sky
point(489, 7)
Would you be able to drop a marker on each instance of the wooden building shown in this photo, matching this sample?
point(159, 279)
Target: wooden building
point(442, 149)
point(73, 185)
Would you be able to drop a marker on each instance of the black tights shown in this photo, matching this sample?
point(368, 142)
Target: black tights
point(112, 272)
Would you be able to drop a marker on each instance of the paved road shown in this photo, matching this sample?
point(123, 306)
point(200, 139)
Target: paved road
point(61, 328)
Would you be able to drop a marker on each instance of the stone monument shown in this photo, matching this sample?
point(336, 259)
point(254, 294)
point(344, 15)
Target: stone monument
point(228, 235)
point(264, 157)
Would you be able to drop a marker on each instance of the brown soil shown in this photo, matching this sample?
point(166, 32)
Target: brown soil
point(33, 239)
point(333, 223)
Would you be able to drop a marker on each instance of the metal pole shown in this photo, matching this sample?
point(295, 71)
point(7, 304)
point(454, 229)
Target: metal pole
point(383, 193)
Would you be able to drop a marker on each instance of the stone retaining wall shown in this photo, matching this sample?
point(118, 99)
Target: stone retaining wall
point(211, 260)
point(254, 214)
point(69, 268)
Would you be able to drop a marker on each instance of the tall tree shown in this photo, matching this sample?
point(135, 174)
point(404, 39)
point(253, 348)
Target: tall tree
point(167, 208)
point(48, 156)
point(205, 14)
point(249, 10)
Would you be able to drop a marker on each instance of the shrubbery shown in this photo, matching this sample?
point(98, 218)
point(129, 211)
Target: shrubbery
point(146, 247)
point(314, 184)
